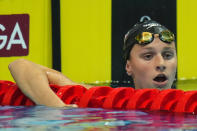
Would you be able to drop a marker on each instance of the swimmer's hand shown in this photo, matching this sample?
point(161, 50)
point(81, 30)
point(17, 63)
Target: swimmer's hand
point(71, 106)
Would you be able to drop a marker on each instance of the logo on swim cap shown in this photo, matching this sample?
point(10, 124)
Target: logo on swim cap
point(149, 25)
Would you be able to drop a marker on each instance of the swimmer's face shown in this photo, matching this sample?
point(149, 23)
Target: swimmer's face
point(153, 65)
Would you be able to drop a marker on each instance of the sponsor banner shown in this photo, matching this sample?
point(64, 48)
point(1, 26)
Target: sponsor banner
point(14, 35)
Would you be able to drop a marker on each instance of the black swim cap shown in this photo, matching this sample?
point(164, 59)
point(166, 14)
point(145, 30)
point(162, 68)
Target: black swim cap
point(145, 26)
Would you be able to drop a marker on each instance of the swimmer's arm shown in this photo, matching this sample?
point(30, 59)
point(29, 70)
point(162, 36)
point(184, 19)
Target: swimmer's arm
point(56, 77)
point(34, 80)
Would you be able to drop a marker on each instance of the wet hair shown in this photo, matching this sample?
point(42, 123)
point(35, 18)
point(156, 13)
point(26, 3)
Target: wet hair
point(145, 26)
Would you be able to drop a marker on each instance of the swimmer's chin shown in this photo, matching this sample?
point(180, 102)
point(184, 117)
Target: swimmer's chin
point(161, 87)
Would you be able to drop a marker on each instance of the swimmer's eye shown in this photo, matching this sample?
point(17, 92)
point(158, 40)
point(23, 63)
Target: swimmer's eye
point(168, 55)
point(147, 56)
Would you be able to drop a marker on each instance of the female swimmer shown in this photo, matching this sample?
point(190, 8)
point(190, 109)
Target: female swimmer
point(149, 52)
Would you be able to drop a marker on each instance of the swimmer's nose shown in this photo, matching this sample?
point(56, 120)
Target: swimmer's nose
point(160, 68)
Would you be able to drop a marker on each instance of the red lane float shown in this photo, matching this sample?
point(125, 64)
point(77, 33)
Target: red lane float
point(142, 99)
point(118, 98)
point(167, 99)
point(172, 100)
point(71, 94)
point(187, 103)
point(95, 96)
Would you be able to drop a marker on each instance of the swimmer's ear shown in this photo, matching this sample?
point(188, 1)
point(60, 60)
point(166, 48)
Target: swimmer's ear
point(129, 68)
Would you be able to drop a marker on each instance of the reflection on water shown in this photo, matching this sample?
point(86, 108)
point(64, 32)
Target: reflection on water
point(185, 84)
point(89, 119)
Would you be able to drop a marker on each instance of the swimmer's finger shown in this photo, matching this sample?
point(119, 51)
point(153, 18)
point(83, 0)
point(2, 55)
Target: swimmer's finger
point(71, 105)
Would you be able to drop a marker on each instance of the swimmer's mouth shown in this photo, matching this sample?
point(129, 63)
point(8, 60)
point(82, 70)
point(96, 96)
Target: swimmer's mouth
point(160, 78)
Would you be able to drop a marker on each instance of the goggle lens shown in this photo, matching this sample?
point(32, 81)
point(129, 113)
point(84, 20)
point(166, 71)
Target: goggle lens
point(166, 36)
point(144, 37)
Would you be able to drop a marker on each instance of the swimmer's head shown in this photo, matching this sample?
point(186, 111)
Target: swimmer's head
point(142, 33)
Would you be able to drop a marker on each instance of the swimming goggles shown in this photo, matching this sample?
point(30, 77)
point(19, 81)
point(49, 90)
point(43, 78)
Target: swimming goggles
point(146, 37)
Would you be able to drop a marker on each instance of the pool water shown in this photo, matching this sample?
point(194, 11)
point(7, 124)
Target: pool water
point(41, 118)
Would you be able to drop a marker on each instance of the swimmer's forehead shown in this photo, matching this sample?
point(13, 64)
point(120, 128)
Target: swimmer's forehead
point(153, 47)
